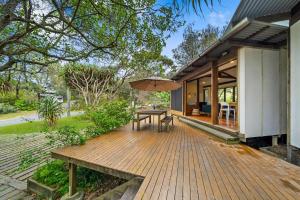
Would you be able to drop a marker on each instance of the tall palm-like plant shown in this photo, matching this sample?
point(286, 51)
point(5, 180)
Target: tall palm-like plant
point(197, 5)
point(50, 109)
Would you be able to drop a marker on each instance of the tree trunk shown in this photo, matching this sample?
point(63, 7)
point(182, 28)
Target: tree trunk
point(17, 91)
point(68, 102)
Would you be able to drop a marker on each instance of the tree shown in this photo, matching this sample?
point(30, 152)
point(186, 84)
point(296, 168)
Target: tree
point(94, 82)
point(195, 42)
point(144, 64)
point(89, 81)
point(40, 32)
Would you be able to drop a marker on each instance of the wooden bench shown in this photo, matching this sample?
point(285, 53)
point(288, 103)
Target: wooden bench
point(166, 121)
point(141, 118)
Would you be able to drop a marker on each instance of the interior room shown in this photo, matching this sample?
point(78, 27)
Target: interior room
point(198, 96)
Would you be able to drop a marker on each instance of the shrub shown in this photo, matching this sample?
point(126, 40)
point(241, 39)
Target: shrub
point(78, 105)
point(50, 110)
point(162, 99)
point(23, 104)
point(11, 99)
point(6, 108)
point(30, 157)
point(8, 98)
point(55, 175)
point(92, 131)
point(66, 135)
point(109, 115)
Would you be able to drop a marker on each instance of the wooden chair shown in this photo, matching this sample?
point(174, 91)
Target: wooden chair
point(141, 118)
point(166, 121)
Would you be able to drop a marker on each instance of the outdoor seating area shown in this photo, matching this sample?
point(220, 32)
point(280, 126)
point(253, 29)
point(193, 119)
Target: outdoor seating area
point(159, 116)
point(157, 84)
point(140, 118)
point(186, 163)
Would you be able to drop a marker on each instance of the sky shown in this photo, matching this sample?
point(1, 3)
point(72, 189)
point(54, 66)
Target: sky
point(220, 15)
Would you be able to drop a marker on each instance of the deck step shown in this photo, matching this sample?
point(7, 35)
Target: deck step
point(126, 191)
point(224, 135)
point(130, 192)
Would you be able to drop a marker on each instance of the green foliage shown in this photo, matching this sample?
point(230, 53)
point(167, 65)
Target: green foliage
point(26, 160)
point(8, 98)
point(195, 42)
point(55, 175)
point(66, 135)
point(93, 131)
point(197, 5)
point(31, 156)
point(50, 110)
point(100, 29)
point(24, 104)
point(90, 81)
point(162, 99)
point(78, 105)
point(5, 85)
point(77, 122)
point(6, 108)
point(108, 116)
point(26, 101)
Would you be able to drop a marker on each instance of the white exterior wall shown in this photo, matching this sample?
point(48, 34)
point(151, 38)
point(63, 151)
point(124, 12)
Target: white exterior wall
point(259, 92)
point(295, 85)
point(283, 69)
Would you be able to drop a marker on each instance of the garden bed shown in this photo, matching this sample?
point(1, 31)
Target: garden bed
point(280, 151)
point(41, 189)
point(52, 179)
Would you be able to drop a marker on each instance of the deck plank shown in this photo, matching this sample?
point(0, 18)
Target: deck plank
point(188, 163)
point(167, 178)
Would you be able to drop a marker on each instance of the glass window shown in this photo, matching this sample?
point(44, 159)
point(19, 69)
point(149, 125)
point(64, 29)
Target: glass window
point(192, 92)
point(206, 93)
point(229, 95)
point(235, 94)
point(221, 95)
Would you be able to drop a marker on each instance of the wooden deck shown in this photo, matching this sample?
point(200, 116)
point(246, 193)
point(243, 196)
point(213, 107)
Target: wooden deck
point(186, 163)
point(231, 124)
point(13, 179)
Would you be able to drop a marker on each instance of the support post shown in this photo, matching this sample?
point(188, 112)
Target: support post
point(184, 99)
point(72, 179)
point(198, 96)
point(138, 125)
point(68, 102)
point(274, 140)
point(214, 94)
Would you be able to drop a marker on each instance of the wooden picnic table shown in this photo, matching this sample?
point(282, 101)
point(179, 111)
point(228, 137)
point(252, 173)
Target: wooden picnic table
point(151, 112)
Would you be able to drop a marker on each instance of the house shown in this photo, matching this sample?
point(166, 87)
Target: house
point(254, 69)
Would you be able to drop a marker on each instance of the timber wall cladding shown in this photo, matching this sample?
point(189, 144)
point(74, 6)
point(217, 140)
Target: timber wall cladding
point(176, 99)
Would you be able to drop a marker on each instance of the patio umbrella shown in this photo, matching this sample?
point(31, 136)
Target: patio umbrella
point(155, 84)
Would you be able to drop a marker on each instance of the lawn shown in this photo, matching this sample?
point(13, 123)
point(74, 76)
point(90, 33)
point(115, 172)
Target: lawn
point(16, 114)
point(37, 126)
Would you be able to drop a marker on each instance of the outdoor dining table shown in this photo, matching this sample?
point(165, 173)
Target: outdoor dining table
point(151, 112)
